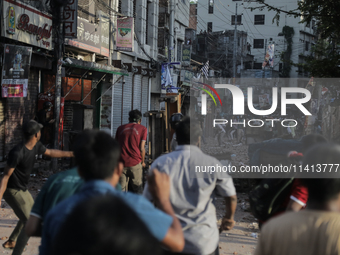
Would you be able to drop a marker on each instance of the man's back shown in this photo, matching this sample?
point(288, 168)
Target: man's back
point(191, 196)
point(129, 137)
point(305, 232)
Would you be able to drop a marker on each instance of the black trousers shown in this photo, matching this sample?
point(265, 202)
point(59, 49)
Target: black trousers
point(216, 252)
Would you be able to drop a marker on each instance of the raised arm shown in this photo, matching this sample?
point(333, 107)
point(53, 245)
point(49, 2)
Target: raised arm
point(3, 183)
point(58, 153)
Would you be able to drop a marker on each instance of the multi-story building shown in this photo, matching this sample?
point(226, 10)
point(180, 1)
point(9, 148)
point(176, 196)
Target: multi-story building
point(262, 29)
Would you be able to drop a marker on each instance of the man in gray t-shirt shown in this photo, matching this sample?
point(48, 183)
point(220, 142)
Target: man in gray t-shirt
point(192, 193)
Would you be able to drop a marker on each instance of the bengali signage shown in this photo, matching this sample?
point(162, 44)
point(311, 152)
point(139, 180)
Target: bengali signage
point(186, 55)
point(70, 19)
point(26, 24)
point(90, 38)
point(15, 71)
point(124, 34)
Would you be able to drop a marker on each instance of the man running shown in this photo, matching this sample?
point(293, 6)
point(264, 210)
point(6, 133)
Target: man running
point(13, 185)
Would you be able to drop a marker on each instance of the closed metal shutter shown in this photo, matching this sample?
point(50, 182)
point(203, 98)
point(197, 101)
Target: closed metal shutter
point(2, 130)
point(137, 92)
point(127, 98)
point(117, 106)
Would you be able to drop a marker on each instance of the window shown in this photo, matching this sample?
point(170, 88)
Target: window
point(307, 46)
point(179, 50)
point(258, 43)
point(313, 24)
point(280, 67)
point(308, 24)
point(239, 19)
point(259, 19)
point(209, 27)
point(211, 6)
point(257, 65)
point(120, 6)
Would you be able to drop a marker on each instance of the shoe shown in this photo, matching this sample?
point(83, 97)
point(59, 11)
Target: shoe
point(9, 244)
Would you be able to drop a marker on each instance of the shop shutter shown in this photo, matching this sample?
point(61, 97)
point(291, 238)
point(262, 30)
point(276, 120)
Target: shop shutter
point(137, 92)
point(127, 98)
point(117, 106)
point(2, 130)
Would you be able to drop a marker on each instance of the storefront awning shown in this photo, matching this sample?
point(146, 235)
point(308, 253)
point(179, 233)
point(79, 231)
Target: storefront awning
point(91, 66)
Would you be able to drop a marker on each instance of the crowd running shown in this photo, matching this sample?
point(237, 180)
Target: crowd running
point(101, 206)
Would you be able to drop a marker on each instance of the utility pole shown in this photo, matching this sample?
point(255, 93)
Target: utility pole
point(171, 32)
point(235, 42)
point(264, 58)
point(59, 58)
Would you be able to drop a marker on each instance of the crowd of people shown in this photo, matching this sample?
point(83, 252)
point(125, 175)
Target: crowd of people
point(101, 206)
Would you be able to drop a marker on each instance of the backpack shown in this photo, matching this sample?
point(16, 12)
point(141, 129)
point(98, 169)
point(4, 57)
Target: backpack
point(266, 198)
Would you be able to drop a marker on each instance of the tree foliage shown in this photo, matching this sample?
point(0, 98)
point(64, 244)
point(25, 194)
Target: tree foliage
point(325, 56)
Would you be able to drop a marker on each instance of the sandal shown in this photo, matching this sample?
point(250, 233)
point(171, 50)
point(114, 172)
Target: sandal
point(9, 244)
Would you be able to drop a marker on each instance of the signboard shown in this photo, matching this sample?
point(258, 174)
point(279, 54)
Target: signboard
point(186, 55)
point(124, 34)
point(26, 24)
point(89, 38)
point(16, 66)
point(186, 77)
point(70, 19)
point(105, 33)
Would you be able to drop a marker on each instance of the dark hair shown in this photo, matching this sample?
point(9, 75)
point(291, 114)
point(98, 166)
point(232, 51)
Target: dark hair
point(322, 190)
point(97, 154)
point(308, 141)
point(104, 225)
point(175, 119)
point(135, 115)
point(188, 131)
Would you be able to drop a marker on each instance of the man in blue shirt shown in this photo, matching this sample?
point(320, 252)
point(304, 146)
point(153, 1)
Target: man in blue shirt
point(97, 155)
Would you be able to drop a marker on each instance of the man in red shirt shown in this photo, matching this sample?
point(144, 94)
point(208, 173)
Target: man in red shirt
point(132, 138)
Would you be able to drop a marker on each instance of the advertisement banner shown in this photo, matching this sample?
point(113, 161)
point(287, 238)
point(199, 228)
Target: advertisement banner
point(168, 82)
point(70, 19)
point(269, 58)
point(15, 71)
point(26, 24)
point(124, 34)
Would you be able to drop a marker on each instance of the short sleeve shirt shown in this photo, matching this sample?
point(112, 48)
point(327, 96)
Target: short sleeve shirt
point(58, 187)
point(22, 159)
point(192, 196)
point(130, 137)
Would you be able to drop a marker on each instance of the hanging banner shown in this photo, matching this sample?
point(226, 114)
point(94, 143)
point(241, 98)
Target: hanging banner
point(15, 71)
point(186, 55)
point(124, 34)
point(269, 58)
point(168, 82)
point(70, 19)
